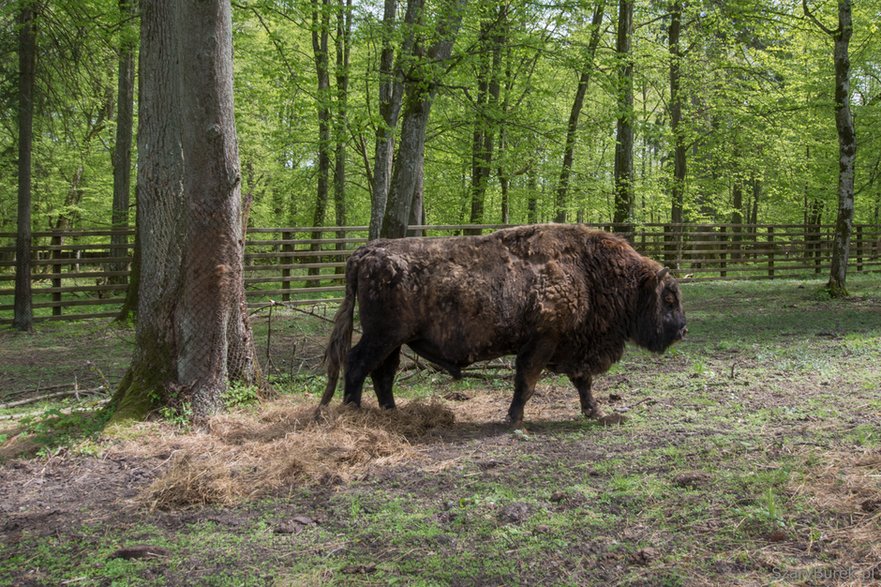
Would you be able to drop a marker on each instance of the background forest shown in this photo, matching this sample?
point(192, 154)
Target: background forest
point(756, 91)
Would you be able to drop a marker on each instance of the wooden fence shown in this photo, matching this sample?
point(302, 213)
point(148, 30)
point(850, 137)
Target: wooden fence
point(80, 274)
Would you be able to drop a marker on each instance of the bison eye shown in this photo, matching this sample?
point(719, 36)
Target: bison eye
point(670, 299)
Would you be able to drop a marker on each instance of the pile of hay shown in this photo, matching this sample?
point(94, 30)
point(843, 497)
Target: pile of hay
point(847, 489)
point(284, 445)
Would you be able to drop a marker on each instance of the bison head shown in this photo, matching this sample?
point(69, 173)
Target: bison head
point(660, 319)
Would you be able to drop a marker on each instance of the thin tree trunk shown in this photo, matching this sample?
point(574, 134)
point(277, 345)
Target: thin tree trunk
point(419, 95)
point(417, 211)
point(122, 150)
point(504, 180)
point(503, 173)
point(343, 34)
point(847, 147)
point(493, 37)
point(479, 146)
point(129, 307)
point(623, 216)
point(407, 163)
point(532, 198)
point(320, 33)
point(737, 216)
point(23, 314)
point(757, 195)
point(679, 149)
point(391, 92)
point(561, 200)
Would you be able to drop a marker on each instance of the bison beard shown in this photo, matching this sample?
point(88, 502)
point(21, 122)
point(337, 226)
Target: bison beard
point(560, 297)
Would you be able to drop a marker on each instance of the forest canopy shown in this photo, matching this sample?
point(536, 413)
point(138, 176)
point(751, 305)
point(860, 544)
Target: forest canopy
point(756, 89)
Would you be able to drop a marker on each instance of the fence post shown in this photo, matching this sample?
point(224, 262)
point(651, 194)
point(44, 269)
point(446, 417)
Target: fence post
point(285, 260)
point(859, 247)
point(771, 252)
point(55, 255)
point(722, 244)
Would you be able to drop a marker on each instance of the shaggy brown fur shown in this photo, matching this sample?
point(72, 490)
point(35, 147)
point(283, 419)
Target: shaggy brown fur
point(561, 297)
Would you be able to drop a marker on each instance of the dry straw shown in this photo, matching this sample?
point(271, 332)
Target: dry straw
point(285, 445)
point(847, 489)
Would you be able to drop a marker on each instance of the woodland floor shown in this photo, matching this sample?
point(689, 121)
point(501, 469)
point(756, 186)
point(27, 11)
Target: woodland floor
point(750, 454)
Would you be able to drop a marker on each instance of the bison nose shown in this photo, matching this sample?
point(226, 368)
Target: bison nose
point(683, 332)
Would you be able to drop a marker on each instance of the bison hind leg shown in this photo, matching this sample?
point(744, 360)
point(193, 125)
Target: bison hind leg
point(365, 358)
point(384, 377)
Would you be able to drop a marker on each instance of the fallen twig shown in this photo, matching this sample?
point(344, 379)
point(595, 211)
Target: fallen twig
point(63, 411)
point(57, 394)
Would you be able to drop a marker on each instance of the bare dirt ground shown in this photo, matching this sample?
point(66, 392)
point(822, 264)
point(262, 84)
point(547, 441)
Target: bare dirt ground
point(751, 455)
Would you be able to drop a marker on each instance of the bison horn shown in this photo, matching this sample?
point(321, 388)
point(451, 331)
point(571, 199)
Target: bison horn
point(662, 273)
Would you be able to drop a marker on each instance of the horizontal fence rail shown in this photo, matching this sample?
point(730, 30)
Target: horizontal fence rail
point(84, 274)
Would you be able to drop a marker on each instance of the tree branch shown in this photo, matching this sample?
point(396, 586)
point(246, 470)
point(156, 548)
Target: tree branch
point(816, 21)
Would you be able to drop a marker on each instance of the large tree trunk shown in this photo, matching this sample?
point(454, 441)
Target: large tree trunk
point(420, 90)
point(193, 335)
point(23, 315)
point(122, 150)
point(847, 147)
point(561, 200)
point(623, 217)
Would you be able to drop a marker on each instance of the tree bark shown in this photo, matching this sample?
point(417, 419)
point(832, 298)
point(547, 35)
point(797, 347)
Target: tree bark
point(420, 90)
point(561, 200)
point(677, 190)
point(341, 43)
point(623, 216)
point(23, 314)
point(193, 335)
point(122, 150)
point(129, 308)
point(391, 92)
point(532, 197)
point(492, 38)
point(736, 215)
point(320, 33)
point(847, 147)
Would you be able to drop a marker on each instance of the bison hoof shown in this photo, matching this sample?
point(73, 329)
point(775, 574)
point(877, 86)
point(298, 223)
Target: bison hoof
point(592, 413)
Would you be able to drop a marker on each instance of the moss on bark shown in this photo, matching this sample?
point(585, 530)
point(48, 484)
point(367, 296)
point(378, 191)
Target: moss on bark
point(836, 289)
point(133, 400)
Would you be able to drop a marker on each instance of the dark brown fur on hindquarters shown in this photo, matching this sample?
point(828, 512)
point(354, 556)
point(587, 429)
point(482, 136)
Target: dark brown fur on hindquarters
point(559, 297)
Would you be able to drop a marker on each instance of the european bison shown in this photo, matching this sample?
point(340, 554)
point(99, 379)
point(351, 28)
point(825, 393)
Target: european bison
point(560, 297)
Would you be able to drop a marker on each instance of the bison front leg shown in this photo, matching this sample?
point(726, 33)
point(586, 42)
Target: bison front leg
point(588, 404)
point(383, 377)
point(531, 361)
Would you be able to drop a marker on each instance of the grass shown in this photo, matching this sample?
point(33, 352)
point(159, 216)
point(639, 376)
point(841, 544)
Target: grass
point(750, 455)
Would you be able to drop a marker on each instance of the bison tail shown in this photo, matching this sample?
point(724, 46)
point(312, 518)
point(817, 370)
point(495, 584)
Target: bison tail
point(341, 338)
